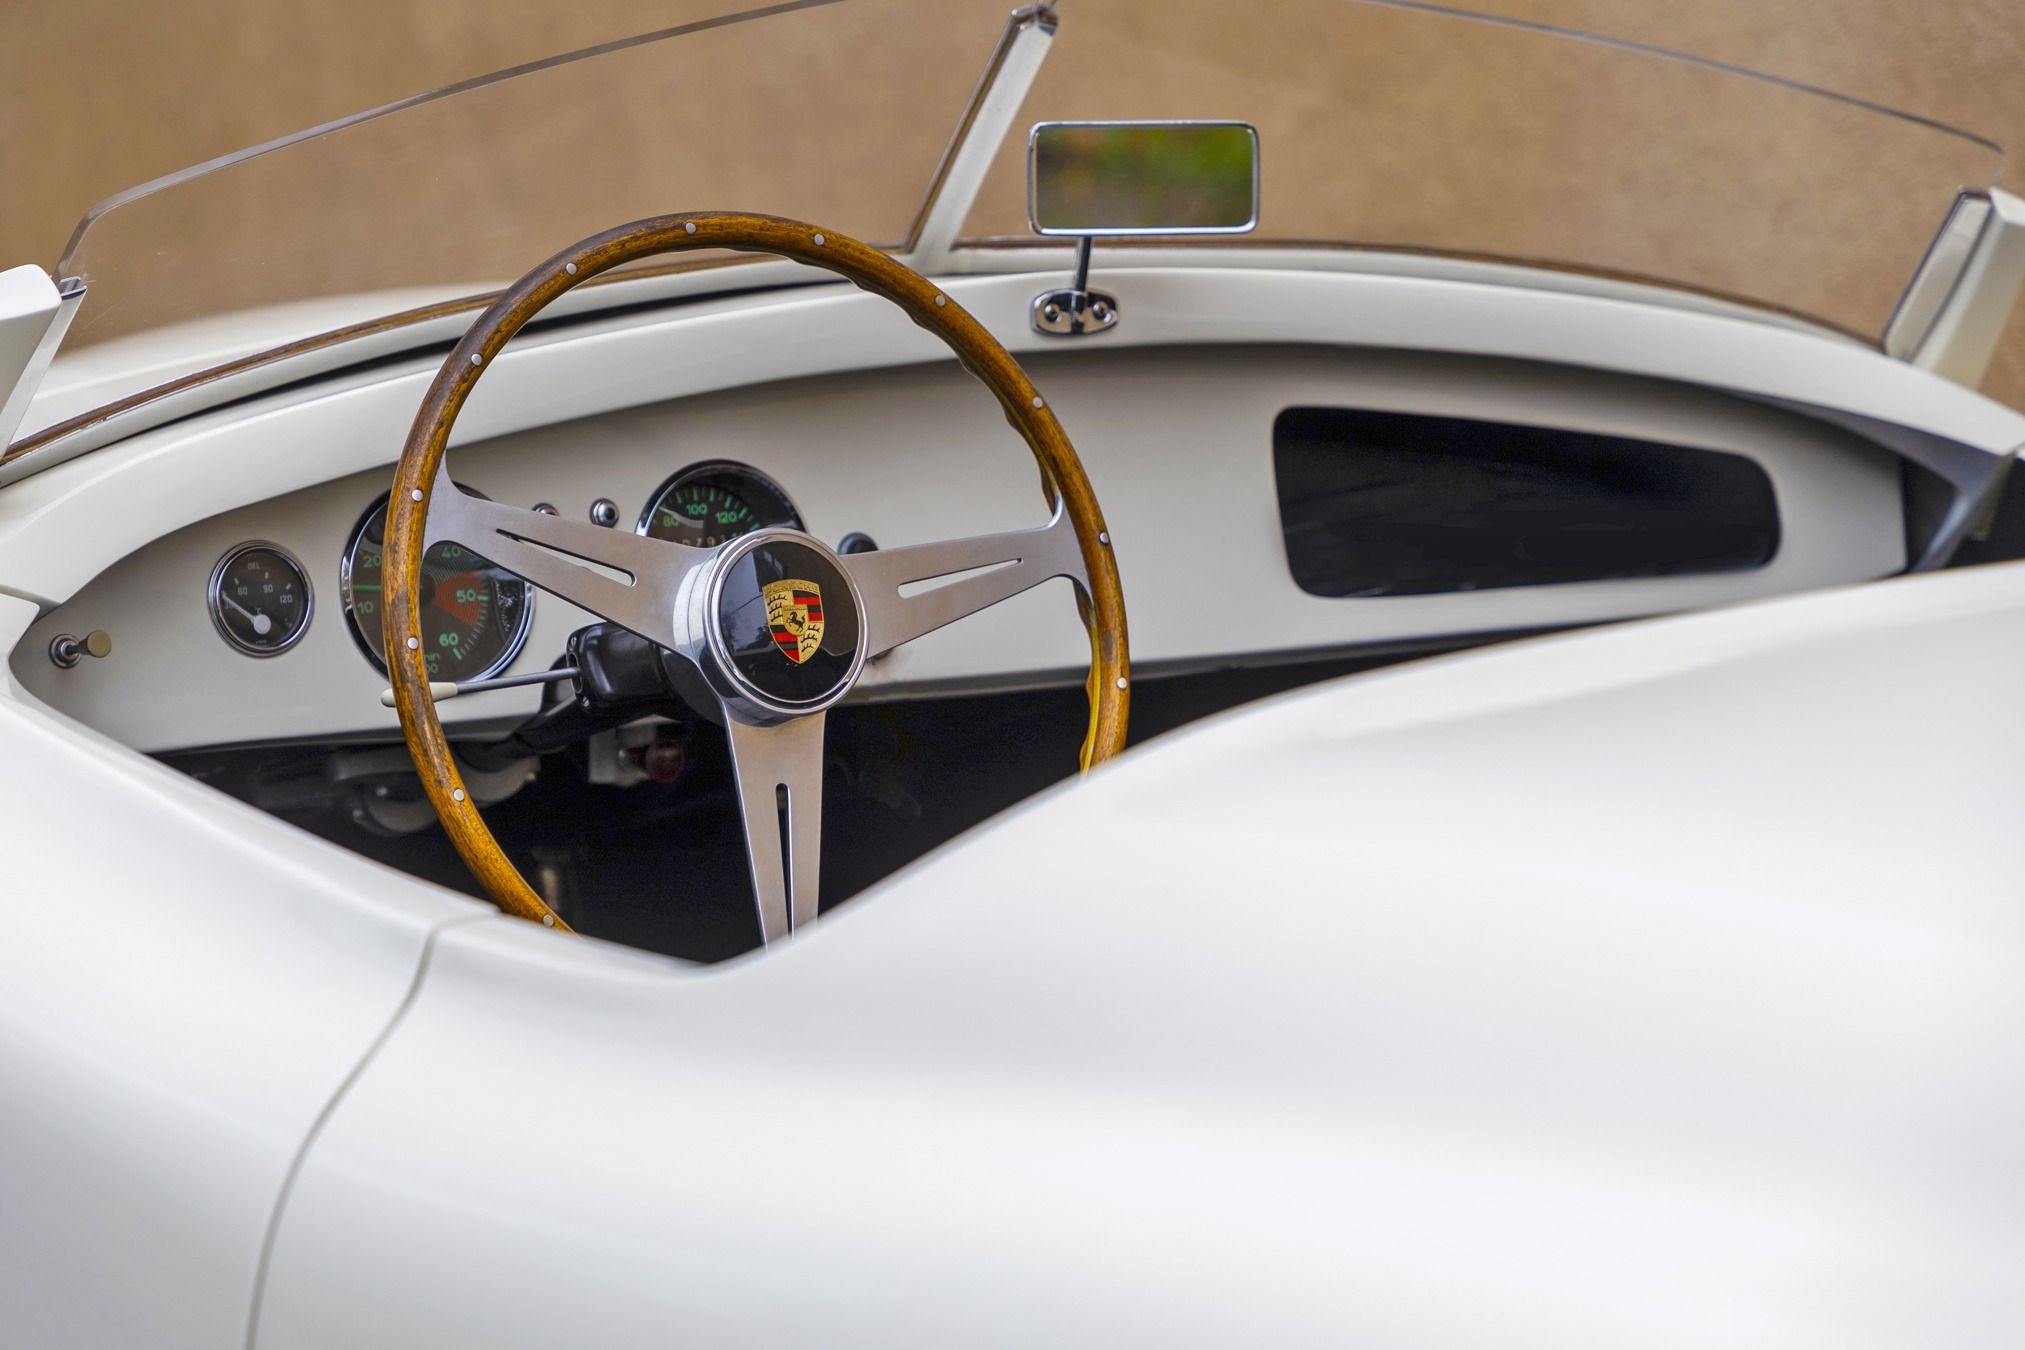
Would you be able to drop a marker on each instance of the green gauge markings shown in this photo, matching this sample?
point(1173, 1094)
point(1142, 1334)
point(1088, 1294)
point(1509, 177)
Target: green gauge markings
point(702, 515)
point(708, 504)
point(474, 613)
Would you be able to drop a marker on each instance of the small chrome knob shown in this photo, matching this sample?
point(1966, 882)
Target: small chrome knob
point(605, 512)
point(68, 649)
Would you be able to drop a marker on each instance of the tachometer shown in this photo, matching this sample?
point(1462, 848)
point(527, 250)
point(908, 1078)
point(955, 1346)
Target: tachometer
point(706, 504)
point(475, 614)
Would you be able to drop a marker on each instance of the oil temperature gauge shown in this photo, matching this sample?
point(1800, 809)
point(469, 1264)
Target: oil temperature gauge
point(260, 599)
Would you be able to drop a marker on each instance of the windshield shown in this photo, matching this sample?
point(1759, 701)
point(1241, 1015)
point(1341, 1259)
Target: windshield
point(1384, 125)
point(1416, 127)
point(829, 110)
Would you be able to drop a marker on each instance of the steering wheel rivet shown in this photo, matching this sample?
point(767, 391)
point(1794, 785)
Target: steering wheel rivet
point(690, 228)
point(941, 300)
point(1037, 400)
point(476, 359)
point(415, 494)
point(1121, 681)
point(819, 241)
point(570, 268)
point(1103, 536)
point(548, 921)
point(457, 795)
point(414, 643)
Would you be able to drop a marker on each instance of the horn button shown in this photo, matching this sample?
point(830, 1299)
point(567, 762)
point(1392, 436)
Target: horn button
point(785, 623)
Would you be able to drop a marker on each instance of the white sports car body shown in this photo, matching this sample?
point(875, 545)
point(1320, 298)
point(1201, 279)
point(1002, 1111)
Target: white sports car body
point(1632, 960)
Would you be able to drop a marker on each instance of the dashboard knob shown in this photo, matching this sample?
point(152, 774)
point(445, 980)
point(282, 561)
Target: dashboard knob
point(68, 649)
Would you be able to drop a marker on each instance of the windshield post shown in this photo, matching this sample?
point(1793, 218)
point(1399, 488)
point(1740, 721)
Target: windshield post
point(1001, 90)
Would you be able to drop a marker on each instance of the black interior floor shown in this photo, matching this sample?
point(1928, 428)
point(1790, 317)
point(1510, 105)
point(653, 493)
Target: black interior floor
point(662, 867)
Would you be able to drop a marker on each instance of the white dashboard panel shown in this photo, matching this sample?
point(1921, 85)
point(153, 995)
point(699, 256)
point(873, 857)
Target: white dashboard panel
point(1178, 444)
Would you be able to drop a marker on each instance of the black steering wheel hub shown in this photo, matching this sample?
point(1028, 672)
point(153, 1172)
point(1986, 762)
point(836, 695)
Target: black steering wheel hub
point(784, 623)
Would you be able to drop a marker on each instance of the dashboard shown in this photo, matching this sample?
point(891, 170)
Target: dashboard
point(1246, 487)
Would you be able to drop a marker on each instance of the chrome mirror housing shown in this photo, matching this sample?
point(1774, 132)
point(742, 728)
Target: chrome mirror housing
point(1086, 179)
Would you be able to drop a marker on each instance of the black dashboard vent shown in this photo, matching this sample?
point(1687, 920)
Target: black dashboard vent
point(1387, 503)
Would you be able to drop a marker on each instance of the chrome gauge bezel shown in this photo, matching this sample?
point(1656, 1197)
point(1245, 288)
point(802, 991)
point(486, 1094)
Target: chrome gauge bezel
point(508, 655)
point(214, 599)
point(728, 468)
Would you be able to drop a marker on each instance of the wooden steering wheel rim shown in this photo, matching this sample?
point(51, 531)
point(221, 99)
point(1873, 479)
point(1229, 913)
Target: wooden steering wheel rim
point(415, 476)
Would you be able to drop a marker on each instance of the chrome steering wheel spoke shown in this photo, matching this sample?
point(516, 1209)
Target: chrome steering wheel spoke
point(780, 795)
point(777, 625)
point(636, 587)
point(1000, 567)
point(779, 764)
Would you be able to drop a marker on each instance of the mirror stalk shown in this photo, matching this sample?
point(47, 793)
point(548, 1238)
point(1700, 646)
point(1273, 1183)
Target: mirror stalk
point(1079, 309)
point(1107, 179)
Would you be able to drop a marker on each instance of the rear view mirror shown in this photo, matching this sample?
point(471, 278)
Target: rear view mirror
point(1126, 178)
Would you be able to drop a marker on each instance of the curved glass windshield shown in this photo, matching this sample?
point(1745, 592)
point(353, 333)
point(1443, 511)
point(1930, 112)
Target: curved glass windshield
point(1384, 125)
point(1414, 127)
point(827, 110)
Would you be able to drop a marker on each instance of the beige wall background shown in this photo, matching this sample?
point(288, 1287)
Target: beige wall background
point(96, 95)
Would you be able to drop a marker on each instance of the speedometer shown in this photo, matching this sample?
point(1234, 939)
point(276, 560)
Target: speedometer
point(706, 504)
point(475, 614)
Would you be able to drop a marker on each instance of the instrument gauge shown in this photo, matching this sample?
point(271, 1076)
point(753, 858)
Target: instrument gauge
point(475, 613)
point(260, 599)
point(707, 504)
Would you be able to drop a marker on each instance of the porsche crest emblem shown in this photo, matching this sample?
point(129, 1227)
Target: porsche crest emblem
point(794, 615)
